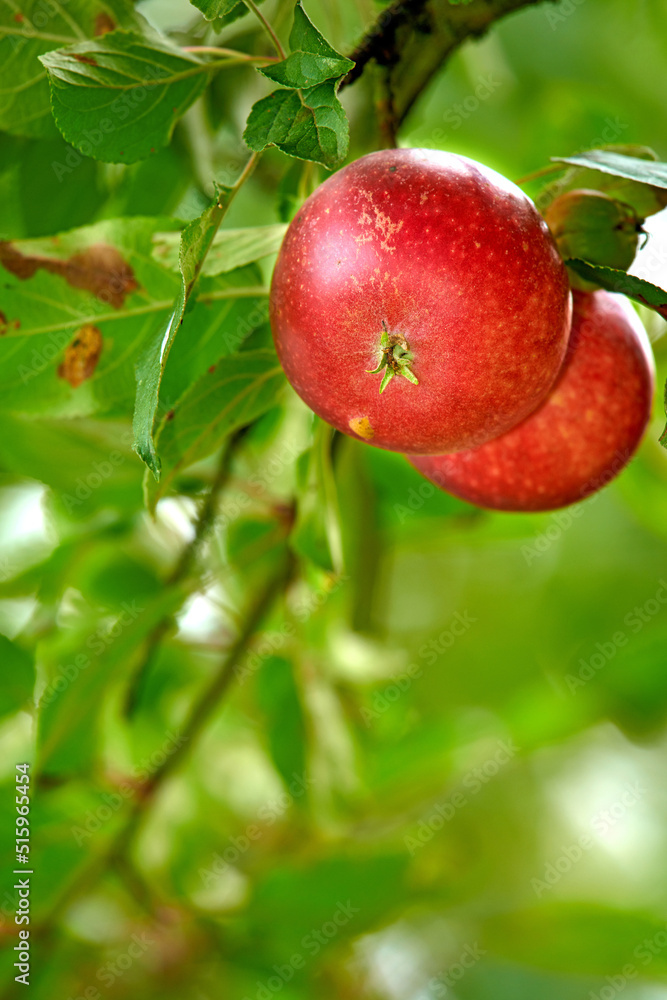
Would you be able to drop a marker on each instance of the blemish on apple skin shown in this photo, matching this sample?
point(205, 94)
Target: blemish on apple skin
point(361, 426)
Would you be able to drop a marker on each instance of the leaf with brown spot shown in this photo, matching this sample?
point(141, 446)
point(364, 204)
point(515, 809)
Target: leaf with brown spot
point(85, 59)
point(100, 270)
point(103, 24)
point(81, 356)
point(8, 324)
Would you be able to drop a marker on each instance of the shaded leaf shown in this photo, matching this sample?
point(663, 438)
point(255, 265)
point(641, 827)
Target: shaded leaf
point(18, 676)
point(614, 280)
point(573, 937)
point(195, 242)
point(211, 9)
point(240, 389)
point(317, 534)
point(643, 198)
point(230, 249)
point(631, 167)
point(278, 698)
point(80, 670)
point(118, 98)
point(26, 33)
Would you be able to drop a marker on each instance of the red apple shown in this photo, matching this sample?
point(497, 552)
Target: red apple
point(429, 276)
point(582, 436)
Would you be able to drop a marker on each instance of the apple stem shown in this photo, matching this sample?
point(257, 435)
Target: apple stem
point(396, 358)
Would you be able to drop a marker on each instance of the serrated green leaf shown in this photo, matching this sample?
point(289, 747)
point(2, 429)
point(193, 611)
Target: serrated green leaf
point(311, 61)
point(118, 98)
point(620, 281)
point(18, 676)
point(230, 249)
point(223, 12)
point(308, 124)
point(33, 28)
point(240, 389)
point(212, 9)
point(631, 167)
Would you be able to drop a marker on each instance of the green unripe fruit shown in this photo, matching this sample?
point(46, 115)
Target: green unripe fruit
point(593, 227)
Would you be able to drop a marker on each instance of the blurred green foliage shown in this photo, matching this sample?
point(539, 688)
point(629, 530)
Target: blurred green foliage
point(439, 766)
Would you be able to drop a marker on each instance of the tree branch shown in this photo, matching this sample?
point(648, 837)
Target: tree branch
point(200, 713)
point(413, 38)
point(183, 568)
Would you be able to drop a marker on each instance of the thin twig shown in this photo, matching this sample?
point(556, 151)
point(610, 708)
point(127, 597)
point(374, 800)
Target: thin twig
point(232, 53)
point(274, 38)
point(182, 570)
point(203, 708)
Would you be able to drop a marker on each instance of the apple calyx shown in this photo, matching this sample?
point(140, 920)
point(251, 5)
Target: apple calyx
point(395, 360)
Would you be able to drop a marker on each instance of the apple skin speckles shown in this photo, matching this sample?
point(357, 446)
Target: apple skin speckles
point(430, 247)
point(581, 437)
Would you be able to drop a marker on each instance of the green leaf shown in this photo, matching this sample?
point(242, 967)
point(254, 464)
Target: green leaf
point(119, 97)
point(230, 249)
point(80, 670)
point(211, 9)
point(626, 284)
point(309, 124)
point(643, 198)
point(279, 700)
point(311, 61)
point(582, 938)
point(27, 31)
point(317, 534)
point(306, 121)
point(51, 289)
point(196, 240)
point(223, 12)
point(631, 167)
point(240, 389)
point(18, 676)
point(88, 465)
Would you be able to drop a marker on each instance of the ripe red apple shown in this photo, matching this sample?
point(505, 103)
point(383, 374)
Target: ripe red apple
point(582, 436)
point(428, 276)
